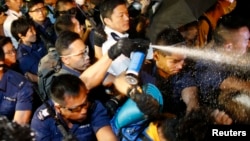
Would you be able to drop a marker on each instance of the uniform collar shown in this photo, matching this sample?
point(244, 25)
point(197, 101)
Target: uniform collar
point(108, 31)
point(28, 48)
point(71, 71)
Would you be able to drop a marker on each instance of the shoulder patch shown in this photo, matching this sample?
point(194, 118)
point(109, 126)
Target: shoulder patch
point(43, 114)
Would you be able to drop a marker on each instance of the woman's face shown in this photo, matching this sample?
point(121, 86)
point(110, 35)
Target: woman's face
point(10, 54)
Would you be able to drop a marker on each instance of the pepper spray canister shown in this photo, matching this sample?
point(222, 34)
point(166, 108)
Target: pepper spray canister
point(134, 67)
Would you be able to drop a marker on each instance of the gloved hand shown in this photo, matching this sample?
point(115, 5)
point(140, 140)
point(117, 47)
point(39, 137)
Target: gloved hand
point(141, 44)
point(123, 46)
point(147, 104)
point(99, 36)
point(112, 105)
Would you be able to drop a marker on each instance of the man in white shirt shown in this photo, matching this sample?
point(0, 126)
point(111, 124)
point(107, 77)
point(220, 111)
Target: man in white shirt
point(14, 12)
point(116, 20)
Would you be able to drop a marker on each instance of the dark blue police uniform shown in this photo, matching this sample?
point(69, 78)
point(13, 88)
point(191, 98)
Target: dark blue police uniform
point(29, 57)
point(16, 93)
point(46, 128)
point(46, 32)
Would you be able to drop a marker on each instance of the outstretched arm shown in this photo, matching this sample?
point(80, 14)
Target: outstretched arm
point(94, 75)
point(190, 97)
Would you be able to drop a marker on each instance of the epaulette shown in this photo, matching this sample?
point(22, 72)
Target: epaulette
point(43, 114)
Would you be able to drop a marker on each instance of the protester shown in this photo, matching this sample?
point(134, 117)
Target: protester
point(168, 73)
point(230, 39)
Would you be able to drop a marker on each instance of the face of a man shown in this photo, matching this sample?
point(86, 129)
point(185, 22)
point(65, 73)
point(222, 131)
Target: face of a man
point(240, 41)
point(38, 13)
point(75, 109)
point(14, 4)
point(77, 56)
point(168, 65)
point(10, 54)
point(119, 20)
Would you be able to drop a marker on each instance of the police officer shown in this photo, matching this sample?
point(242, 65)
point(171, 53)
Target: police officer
point(83, 118)
point(30, 50)
point(16, 94)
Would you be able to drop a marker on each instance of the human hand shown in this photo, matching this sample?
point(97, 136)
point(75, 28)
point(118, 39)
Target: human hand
point(221, 117)
point(145, 4)
point(121, 84)
point(99, 36)
point(123, 46)
point(145, 102)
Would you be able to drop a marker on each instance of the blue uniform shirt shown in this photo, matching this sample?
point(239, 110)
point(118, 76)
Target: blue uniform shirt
point(171, 89)
point(47, 31)
point(46, 128)
point(16, 93)
point(29, 57)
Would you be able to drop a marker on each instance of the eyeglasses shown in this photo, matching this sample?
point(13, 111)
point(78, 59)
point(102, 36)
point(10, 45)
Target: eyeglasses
point(82, 53)
point(12, 51)
point(78, 108)
point(42, 9)
point(71, 11)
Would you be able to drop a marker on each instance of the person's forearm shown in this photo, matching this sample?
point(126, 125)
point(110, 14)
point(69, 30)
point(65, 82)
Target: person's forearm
point(190, 98)
point(94, 75)
point(22, 117)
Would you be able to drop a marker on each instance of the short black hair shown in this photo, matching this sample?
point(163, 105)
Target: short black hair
point(21, 26)
point(62, 23)
point(64, 39)
point(226, 25)
point(107, 7)
point(32, 3)
point(3, 41)
point(169, 36)
point(65, 84)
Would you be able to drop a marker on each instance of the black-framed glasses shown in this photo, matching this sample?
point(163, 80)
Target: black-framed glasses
point(83, 53)
point(78, 108)
point(41, 9)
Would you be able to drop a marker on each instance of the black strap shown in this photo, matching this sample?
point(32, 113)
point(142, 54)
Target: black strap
point(115, 36)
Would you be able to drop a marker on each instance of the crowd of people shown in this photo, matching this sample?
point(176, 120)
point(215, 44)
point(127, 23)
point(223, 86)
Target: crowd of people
point(95, 41)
